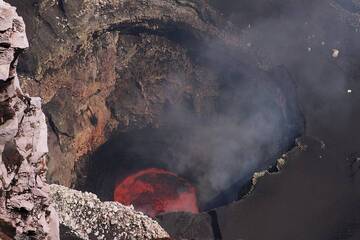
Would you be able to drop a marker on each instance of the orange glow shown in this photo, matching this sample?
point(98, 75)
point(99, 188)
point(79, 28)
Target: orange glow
point(154, 191)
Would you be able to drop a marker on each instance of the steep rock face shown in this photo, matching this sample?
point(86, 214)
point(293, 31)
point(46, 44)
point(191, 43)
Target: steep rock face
point(84, 216)
point(112, 64)
point(116, 66)
point(25, 209)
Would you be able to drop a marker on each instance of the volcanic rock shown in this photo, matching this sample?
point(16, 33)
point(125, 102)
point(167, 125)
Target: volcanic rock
point(84, 216)
point(316, 193)
point(85, 64)
point(110, 67)
point(185, 225)
point(114, 74)
point(25, 208)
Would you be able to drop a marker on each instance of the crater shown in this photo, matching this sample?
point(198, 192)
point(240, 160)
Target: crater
point(254, 118)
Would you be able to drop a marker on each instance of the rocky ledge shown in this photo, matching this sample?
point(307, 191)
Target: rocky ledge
point(84, 216)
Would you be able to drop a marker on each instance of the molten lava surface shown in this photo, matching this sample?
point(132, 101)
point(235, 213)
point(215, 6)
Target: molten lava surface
point(155, 191)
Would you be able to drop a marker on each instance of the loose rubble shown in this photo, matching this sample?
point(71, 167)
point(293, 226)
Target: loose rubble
point(89, 218)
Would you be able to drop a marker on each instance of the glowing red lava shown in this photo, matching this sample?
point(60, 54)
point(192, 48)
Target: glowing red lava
point(155, 191)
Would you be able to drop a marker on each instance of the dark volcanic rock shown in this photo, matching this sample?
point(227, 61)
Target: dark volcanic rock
point(301, 200)
point(187, 225)
point(316, 194)
point(67, 234)
point(110, 67)
point(107, 66)
point(104, 64)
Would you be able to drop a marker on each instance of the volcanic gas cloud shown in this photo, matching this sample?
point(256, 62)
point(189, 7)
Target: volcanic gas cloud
point(155, 191)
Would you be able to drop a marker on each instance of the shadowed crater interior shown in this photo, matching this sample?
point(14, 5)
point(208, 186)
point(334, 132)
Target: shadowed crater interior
point(254, 118)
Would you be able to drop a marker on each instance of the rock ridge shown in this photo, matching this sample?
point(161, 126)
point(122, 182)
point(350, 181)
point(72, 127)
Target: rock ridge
point(25, 207)
point(86, 217)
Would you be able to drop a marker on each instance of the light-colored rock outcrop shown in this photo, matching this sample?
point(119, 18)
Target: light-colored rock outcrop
point(25, 208)
point(89, 218)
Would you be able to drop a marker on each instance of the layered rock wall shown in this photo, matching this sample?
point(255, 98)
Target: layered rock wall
point(112, 64)
point(25, 208)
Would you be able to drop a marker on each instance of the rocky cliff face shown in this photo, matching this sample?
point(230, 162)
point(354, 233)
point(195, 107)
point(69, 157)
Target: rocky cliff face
point(25, 209)
point(105, 65)
point(117, 66)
